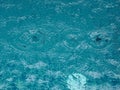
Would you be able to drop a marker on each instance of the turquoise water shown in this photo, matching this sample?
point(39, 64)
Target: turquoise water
point(59, 44)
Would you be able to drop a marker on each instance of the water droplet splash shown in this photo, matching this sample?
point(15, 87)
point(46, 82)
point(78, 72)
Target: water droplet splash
point(76, 81)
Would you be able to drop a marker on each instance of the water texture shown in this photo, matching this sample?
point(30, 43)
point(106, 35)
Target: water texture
point(59, 44)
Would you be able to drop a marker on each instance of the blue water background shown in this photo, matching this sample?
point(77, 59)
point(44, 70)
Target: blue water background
point(42, 42)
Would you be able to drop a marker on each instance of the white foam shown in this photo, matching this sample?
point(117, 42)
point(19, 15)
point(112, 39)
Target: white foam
point(76, 82)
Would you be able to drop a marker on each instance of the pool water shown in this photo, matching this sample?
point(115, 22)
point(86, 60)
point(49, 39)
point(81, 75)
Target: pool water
point(59, 44)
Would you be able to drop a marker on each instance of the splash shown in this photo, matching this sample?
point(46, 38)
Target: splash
point(76, 82)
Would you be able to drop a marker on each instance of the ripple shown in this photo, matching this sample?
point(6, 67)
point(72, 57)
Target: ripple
point(36, 39)
point(71, 38)
point(100, 39)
